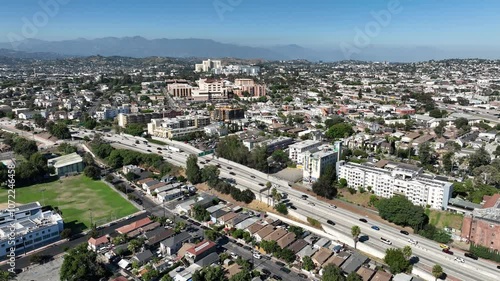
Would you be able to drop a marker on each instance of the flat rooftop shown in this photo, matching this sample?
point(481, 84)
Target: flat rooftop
point(65, 160)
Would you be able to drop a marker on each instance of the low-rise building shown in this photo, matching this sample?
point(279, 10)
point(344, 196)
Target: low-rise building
point(178, 126)
point(296, 150)
point(482, 226)
point(69, 164)
point(316, 160)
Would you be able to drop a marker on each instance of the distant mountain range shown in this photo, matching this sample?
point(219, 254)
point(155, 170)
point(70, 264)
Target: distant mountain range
point(139, 47)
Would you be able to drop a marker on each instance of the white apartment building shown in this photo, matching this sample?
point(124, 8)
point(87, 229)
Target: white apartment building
point(207, 65)
point(316, 160)
point(111, 112)
point(387, 179)
point(34, 228)
point(178, 126)
point(296, 150)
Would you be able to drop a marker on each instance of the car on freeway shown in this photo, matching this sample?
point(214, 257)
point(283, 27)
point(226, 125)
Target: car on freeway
point(261, 184)
point(285, 270)
point(201, 162)
point(459, 259)
point(330, 222)
point(311, 203)
point(232, 173)
point(447, 251)
point(498, 266)
point(304, 197)
point(363, 220)
point(266, 271)
point(333, 206)
point(404, 232)
point(252, 176)
point(414, 242)
point(471, 256)
point(292, 207)
point(229, 168)
point(149, 150)
point(443, 246)
point(375, 227)
point(386, 241)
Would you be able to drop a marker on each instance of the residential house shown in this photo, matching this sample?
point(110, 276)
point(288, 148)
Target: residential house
point(335, 260)
point(200, 250)
point(254, 228)
point(133, 226)
point(246, 223)
point(234, 221)
point(217, 214)
point(308, 250)
point(264, 232)
point(286, 240)
point(365, 273)
point(354, 262)
point(143, 257)
point(381, 276)
point(171, 245)
point(154, 237)
point(225, 218)
point(321, 256)
point(96, 244)
point(298, 245)
point(210, 259)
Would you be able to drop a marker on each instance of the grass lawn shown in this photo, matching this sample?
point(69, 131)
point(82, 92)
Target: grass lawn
point(444, 219)
point(358, 198)
point(78, 198)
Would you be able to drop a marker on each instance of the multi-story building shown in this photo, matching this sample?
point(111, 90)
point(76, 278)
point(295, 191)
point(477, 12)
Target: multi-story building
point(227, 113)
point(179, 90)
point(317, 159)
point(296, 150)
point(387, 179)
point(482, 226)
point(207, 65)
point(211, 89)
point(247, 87)
point(178, 126)
point(111, 112)
point(144, 118)
point(27, 227)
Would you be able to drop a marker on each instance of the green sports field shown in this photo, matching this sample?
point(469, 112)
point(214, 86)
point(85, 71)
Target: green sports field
point(79, 198)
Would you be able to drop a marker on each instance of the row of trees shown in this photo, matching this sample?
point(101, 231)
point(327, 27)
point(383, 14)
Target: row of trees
point(272, 247)
point(325, 186)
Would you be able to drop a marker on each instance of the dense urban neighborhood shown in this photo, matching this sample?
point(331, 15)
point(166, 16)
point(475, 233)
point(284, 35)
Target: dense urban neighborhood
point(119, 168)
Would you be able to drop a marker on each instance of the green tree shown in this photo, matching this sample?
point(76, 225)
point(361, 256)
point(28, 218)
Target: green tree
point(448, 161)
point(479, 158)
point(209, 273)
point(134, 129)
point(90, 124)
point(59, 130)
point(92, 172)
point(497, 151)
point(425, 154)
point(134, 245)
point(396, 260)
point(307, 263)
point(340, 130)
point(407, 251)
point(461, 122)
point(210, 174)
point(355, 231)
point(332, 272)
point(324, 186)
point(39, 120)
point(409, 124)
point(192, 169)
point(281, 208)
point(81, 264)
point(437, 271)
point(211, 234)
point(286, 255)
point(342, 183)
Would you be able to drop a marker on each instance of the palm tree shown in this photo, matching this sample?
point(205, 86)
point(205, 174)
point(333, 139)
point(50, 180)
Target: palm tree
point(437, 271)
point(6, 275)
point(355, 231)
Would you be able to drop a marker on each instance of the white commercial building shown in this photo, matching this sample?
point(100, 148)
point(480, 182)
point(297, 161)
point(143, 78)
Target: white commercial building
point(316, 160)
point(387, 179)
point(178, 126)
point(296, 150)
point(26, 227)
point(207, 65)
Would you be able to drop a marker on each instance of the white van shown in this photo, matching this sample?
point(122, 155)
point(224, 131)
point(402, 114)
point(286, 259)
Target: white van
point(386, 241)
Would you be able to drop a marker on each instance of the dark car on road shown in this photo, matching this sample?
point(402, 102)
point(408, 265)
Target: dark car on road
point(447, 251)
point(302, 275)
point(405, 232)
point(276, 277)
point(471, 255)
point(363, 220)
point(266, 271)
point(330, 222)
point(261, 184)
point(280, 263)
point(232, 173)
point(285, 270)
point(229, 168)
point(293, 207)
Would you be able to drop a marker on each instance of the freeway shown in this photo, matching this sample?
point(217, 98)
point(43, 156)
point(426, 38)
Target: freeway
point(427, 251)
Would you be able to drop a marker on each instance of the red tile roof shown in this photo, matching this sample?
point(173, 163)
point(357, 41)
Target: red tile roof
point(201, 247)
point(98, 241)
point(133, 226)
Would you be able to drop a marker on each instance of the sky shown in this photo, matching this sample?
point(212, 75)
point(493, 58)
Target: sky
point(309, 23)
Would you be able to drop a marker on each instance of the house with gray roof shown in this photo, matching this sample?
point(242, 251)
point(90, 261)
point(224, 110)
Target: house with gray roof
point(171, 245)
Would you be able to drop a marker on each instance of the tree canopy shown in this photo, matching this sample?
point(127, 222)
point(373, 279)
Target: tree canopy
point(193, 173)
point(81, 264)
point(396, 261)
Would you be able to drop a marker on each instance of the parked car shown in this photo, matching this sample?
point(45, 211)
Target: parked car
point(276, 277)
point(280, 263)
point(375, 227)
point(257, 255)
point(405, 232)
point(234, 256)
point(266, 271)
point(285, 270)
point(330, 222)
point(302, 275)
point(363, 220)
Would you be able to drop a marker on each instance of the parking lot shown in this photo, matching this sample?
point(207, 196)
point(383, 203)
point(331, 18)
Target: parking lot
point(45, 272)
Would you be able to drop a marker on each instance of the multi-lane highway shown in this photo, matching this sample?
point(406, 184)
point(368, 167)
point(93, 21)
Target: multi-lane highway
point(427, 251)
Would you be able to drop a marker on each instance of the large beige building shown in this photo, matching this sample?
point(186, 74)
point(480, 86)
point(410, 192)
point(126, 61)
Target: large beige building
point(248, 87)
point(144, 118)
point(210, 89)
point(179, 90)
point(178, 126)
point(207, 65)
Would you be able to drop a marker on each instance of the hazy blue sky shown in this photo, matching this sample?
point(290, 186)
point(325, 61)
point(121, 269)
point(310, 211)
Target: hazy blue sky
point(258, 22)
